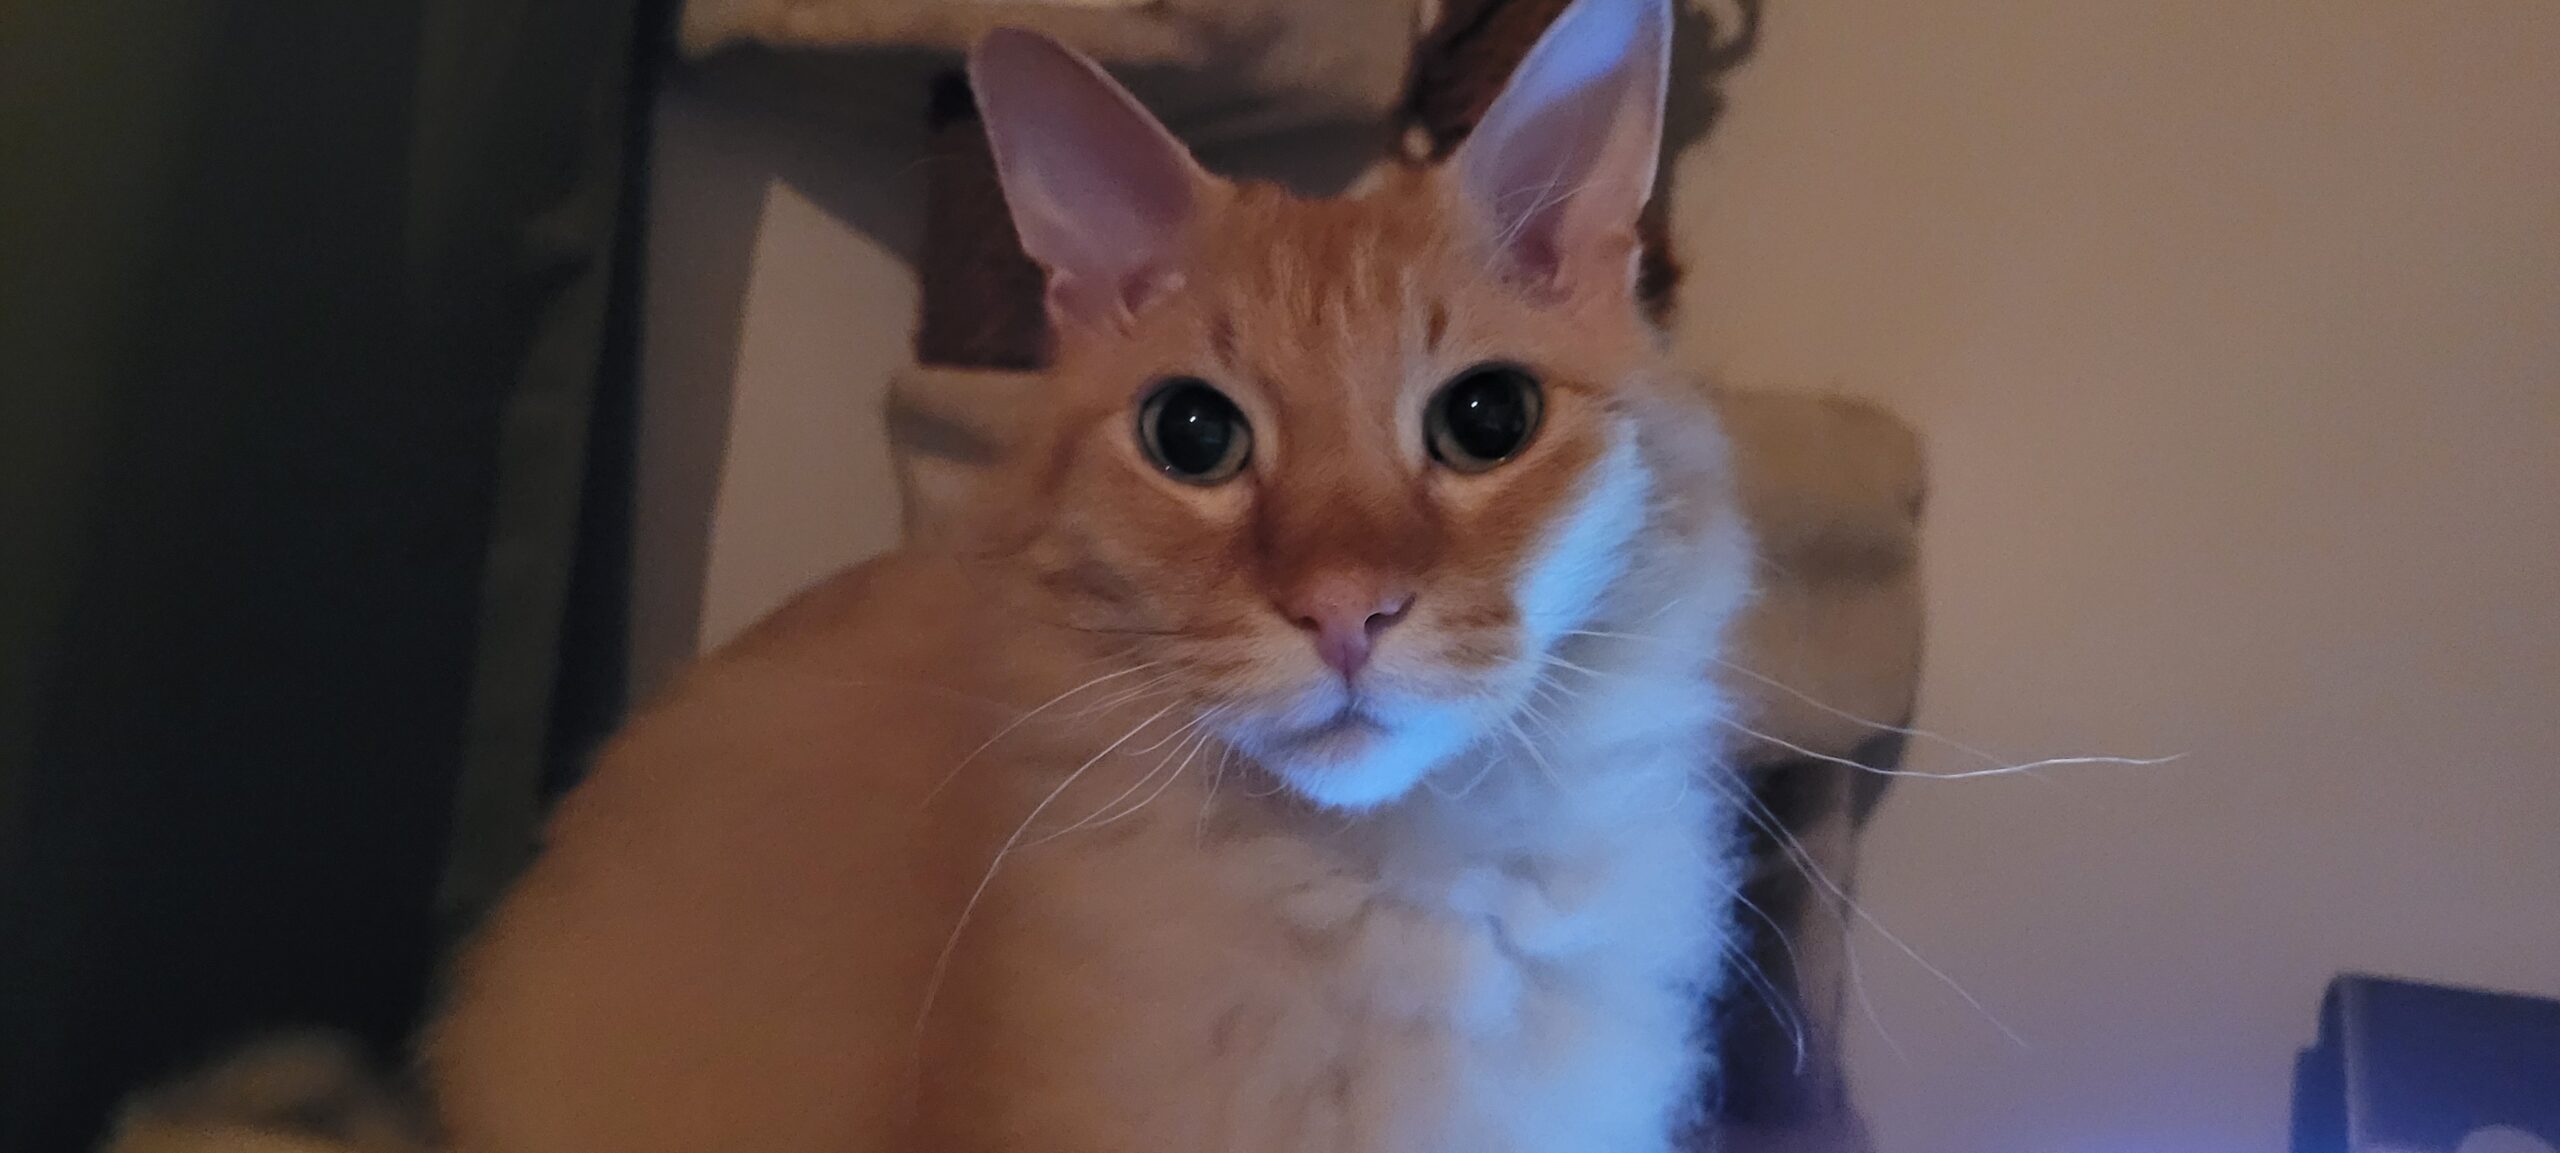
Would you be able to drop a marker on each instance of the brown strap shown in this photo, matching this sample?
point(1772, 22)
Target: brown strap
point(980, 296)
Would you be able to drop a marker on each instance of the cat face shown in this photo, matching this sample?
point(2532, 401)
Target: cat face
point(1339, 472)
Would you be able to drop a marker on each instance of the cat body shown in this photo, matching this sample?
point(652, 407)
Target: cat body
point(1309, 745)
point(712, 954)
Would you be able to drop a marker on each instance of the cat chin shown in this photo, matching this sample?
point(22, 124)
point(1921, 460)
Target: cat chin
point(1362, 764)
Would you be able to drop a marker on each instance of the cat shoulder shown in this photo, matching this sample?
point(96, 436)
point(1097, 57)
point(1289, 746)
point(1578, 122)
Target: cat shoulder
point(903, 591)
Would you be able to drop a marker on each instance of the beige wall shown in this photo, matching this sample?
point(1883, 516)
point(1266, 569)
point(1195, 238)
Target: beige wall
point(777, 308)
point(2235, 328)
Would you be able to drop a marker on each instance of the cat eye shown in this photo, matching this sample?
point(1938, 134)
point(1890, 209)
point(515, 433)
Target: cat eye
point(1483, 417)
point(1193, 432)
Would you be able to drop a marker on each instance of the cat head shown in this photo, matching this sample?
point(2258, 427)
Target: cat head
point(1342, 472)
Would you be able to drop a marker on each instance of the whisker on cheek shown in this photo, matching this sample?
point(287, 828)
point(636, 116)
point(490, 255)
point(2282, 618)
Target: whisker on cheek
point(942, 963)
point(1151, 687)
point(1209, 801)
point(1018, 722)
point(1187, 740)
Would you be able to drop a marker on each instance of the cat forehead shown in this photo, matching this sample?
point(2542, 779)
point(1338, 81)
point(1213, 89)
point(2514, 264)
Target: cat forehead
point(1367, 298)
point(1291, 259)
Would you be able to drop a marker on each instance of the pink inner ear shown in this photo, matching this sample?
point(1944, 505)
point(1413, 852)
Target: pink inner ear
point(1100, 193)
point(1565, 157)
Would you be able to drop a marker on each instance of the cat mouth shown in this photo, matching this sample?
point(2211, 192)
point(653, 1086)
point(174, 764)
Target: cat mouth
point(1352, 750)
point(1341, 734)
point(1348, 724)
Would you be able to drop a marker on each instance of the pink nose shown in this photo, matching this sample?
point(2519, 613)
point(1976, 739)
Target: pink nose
point(1343, 612)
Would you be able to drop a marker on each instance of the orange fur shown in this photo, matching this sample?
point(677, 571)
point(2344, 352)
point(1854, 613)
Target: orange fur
point(1330, 322)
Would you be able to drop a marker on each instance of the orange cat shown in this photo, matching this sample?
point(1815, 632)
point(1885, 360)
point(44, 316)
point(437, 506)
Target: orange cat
point(1309, 748)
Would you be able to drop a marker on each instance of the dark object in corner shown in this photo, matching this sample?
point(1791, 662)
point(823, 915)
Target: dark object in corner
point(317, 320)
point(2416, 1068)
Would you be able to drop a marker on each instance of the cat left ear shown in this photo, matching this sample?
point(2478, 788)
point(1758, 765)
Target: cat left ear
point(1563, 162)
point(1100, 193)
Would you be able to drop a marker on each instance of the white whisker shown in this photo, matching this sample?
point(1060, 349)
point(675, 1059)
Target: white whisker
point(1200, 825)
point(942, 964)
point(1998, 766)
point(1863, 722)
point(1562, 663)
point(1170, 737)
point(1151, 686)
point(1795, 963)
point(1866, 1003)
point(1771, 997)
point(1199, 739)
point(1545, 724)
point(1536, 756)
point(1150, 798)
point(1759, 815)
point(1961, 775)
point(1018, 722)
point(1482, 771)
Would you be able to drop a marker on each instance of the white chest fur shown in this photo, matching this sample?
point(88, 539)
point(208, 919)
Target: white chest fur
point(1513, 961)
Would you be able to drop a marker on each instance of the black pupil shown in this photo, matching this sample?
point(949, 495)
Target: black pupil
point(1488, 413)
point(1194, 428)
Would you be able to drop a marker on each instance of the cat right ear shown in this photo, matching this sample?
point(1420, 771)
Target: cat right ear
point(1563, 161)
point(1101, 194)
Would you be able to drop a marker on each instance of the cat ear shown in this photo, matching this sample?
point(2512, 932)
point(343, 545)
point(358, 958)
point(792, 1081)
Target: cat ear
point(1100, 193)
point(1561, 165)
